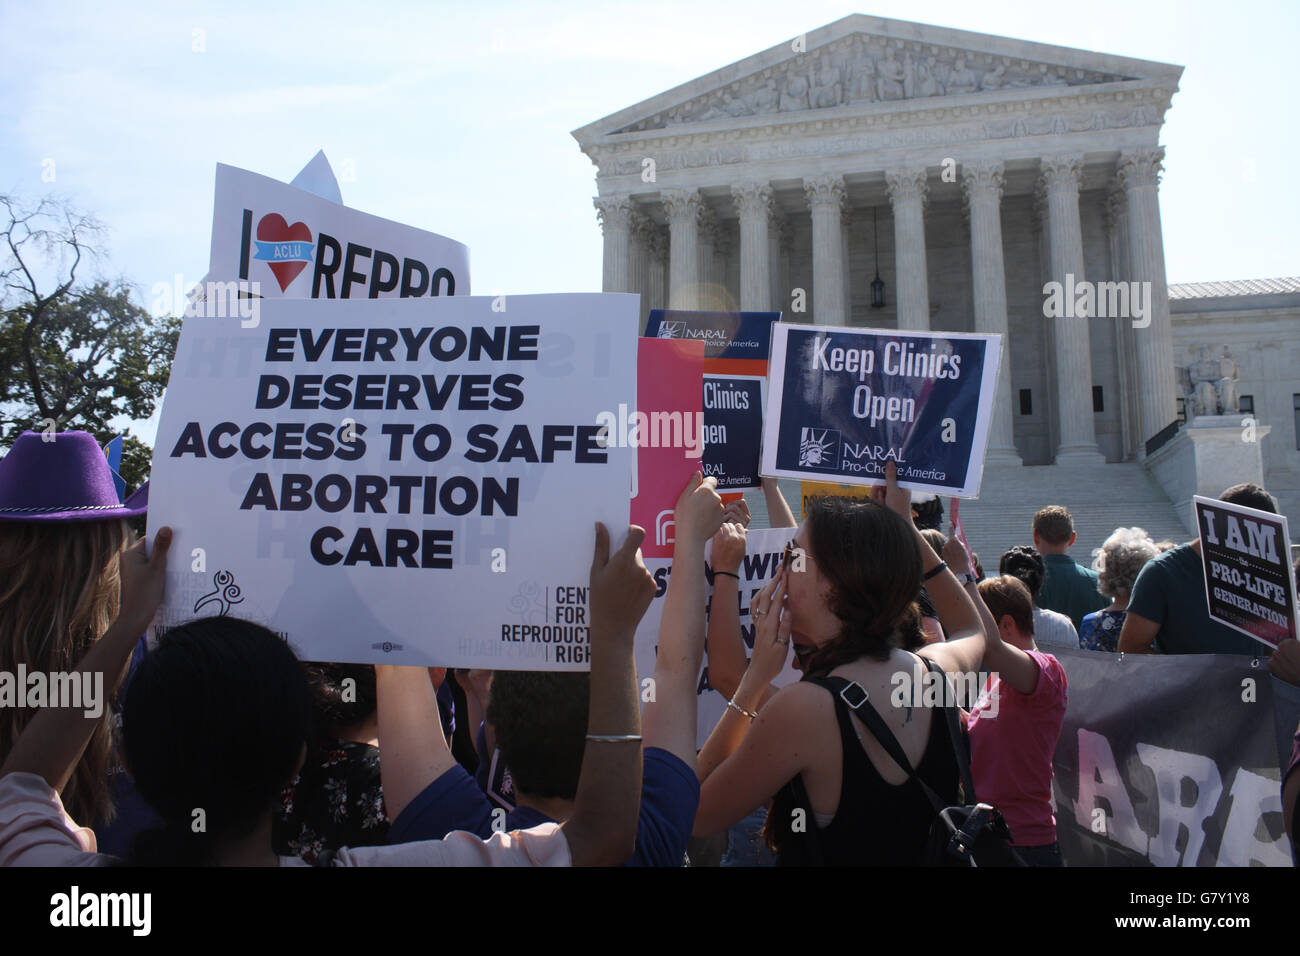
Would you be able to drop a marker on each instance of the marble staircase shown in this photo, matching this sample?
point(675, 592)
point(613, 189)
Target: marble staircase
point(1100, 497)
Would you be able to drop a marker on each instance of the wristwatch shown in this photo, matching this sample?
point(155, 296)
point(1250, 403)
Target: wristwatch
point(967, 578)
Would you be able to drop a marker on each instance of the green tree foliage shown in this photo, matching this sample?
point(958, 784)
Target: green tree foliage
point(73, 354)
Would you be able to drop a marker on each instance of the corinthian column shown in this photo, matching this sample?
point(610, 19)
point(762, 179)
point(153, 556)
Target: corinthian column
point(639, 261)
point(656, 241)
point(1074, 353)
point(683, 209)
point(615, 214)
point(982, 184)
point(1139, 174)
point(825, 197)
point(907, 191)
point(753, 202)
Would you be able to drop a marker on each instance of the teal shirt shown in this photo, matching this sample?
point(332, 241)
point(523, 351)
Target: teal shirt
point(1069, 589)
point(1170, 591)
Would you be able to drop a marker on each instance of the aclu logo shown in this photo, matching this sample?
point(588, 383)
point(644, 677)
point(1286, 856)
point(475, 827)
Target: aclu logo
point(819, 448)
point(672, 330)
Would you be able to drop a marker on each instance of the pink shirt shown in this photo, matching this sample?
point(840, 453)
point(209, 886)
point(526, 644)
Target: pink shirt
point(35, 830)
point(1012, 747)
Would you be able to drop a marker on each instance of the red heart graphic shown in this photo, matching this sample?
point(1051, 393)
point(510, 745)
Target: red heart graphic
point(273, 228)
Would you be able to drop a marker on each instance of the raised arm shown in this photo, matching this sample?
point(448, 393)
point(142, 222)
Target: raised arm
point(602, 830)
point(726, 647)
point(412, 749)
point(670, 718)
point(1015, 666)
point(963, 649)
point(779, 514)
point(54, 741)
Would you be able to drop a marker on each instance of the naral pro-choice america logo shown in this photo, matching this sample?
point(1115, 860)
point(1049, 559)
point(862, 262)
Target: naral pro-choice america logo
point(285, 248)
point(819, 448)
point(671, 330)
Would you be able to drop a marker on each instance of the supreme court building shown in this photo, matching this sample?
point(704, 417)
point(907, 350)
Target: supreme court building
point(964, 172)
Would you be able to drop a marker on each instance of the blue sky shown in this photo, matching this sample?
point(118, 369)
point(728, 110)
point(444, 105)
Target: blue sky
point(456, 117)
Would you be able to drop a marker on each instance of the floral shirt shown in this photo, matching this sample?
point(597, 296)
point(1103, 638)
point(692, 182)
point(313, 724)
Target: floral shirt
point(1100, 631)
point(337, 802)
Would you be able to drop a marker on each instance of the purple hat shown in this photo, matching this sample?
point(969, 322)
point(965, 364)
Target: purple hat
point(62, 476)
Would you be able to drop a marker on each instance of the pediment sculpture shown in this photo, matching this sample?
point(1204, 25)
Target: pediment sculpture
point(868, 69)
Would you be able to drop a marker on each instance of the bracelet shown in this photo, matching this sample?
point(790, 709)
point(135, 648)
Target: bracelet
point(741, 710)
point(613, 738)
point(727, 573)
point(936, 570)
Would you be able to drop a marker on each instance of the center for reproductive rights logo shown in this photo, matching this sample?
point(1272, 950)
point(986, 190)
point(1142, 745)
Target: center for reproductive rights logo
point(819, 448)
point(285, 248)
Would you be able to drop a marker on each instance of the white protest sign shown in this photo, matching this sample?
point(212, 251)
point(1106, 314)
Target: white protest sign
point(763, 551)
point(843, 402)
point(408, 482)
point(294, 244)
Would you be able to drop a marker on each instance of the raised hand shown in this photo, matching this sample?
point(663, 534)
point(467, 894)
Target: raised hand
point(894, 498)
point(771, 613)
point(954, 555)
point(621, 586)
point(143, 579)
point(728, 548)
point(699, 512)
point(737, 513)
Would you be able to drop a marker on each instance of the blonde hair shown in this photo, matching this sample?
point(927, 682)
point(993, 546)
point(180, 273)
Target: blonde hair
point(60, 588)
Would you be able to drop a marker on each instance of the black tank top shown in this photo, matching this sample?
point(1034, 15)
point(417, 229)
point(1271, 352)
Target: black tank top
point(876, 823)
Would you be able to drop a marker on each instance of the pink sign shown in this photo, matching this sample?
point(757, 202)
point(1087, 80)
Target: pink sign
point(667, 430)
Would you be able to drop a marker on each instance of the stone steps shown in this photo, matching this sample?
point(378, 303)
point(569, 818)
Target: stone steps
point(1101, 498)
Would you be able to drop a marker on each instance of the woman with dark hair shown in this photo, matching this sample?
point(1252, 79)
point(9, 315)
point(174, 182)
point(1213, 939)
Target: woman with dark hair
point(843, 599)
point(216, 723)
point(1051, 628)
point(337, 799)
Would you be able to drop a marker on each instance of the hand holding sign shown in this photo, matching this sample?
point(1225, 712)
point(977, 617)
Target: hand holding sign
point(143, 579)
point(896, 499)
point(621, 587)
point(699, 511)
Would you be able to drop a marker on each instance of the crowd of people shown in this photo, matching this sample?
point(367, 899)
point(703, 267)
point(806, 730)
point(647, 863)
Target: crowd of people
point(221, 747)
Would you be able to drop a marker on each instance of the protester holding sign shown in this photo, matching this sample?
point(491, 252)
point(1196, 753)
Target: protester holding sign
point(186, 764)
point(851, 578)
point(537, 719)
point(1168, 611)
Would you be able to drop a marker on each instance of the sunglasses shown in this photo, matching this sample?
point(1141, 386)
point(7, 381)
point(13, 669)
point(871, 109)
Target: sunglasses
point(794, 553)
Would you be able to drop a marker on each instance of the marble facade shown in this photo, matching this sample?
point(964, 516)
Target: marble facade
point(973, 169)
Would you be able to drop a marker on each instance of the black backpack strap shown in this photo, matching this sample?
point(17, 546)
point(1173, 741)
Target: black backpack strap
point(854, 696)
point(960, 742)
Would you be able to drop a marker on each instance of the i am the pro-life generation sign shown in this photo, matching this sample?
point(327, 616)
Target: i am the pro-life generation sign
point(1249, 585)
point(842, 403)
point(406, 481)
